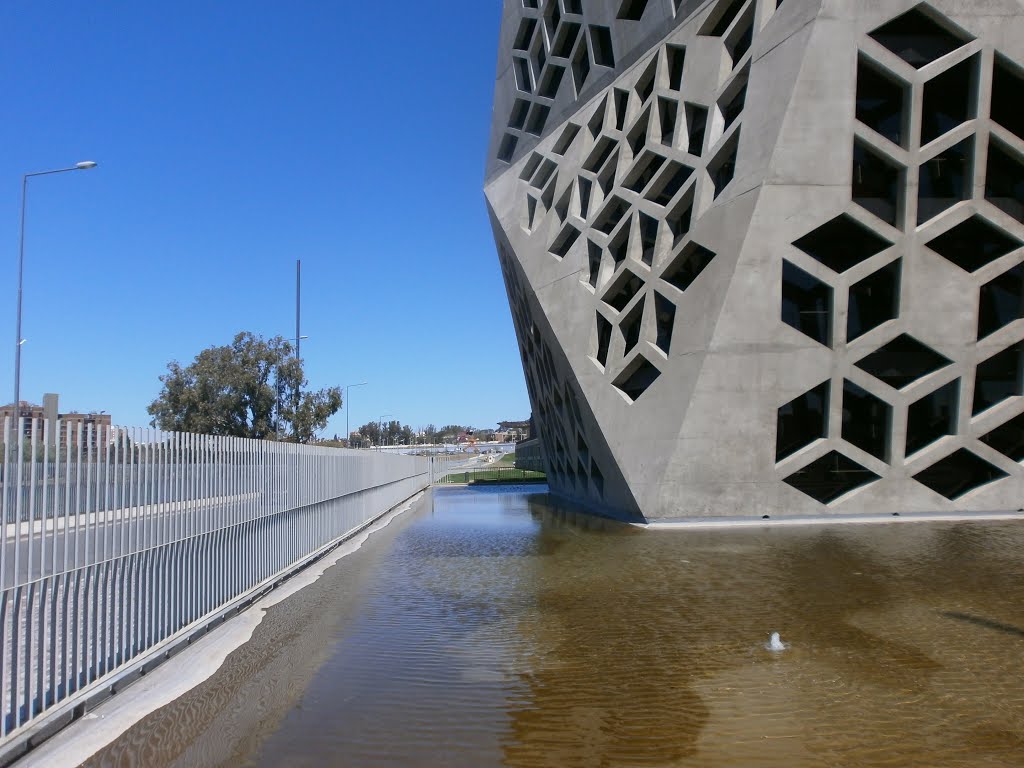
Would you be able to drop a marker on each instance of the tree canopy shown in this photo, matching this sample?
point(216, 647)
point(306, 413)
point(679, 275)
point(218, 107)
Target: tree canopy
point(253, 387)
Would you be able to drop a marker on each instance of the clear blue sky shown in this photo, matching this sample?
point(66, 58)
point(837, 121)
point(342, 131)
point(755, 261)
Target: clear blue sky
point(232, 139)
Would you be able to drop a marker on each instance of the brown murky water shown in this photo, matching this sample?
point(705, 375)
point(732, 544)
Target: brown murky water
point(489, 628)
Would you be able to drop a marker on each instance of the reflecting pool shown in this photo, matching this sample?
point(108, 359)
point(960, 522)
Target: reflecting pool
point(489, 627)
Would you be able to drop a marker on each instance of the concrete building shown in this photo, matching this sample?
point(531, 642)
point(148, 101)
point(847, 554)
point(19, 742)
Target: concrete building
point(765, 257)
point(95, 427)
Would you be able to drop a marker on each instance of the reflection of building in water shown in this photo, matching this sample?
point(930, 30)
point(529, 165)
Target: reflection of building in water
point(766, 258)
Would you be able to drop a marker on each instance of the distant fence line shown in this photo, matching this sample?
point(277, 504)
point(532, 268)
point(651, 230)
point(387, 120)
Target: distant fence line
point(115, 539)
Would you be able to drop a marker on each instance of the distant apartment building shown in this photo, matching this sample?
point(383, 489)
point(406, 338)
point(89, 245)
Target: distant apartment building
point(94, 427)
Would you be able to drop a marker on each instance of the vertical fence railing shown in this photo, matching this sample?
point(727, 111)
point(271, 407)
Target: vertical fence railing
point(116, 539)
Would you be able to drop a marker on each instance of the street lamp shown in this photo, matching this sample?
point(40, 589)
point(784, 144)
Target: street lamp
point(348, 434)
point(380, 430)
point(85, 165)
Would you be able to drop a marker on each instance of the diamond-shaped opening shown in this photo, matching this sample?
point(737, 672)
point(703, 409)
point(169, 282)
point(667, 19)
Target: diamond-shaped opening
point(643, 171)
point(973, 243)
point(632, 10)
point(687, 266)
point(867, 421)
point(1008, 439)
point(570, 396)
point(665, 319)
point(680, 218)
point(550, 81)
point(569, 134)
point(531, 211)
point(543, 174)
point(606, 178)
point(648, 227)
point(959, 473)
point(581, 449)
point(552, 17)
point(539, 56)
point(560, 247)
point(830, 477)
point(738, 41)
point(507, 148)
point(597, 479)
point(717, 23)
point(530, 168)
point(521, 70)
point(548, 195)
point(594, 262)
point(601, 45)
point(877, 184)
point(524, 34)
point(998, 378)
point(596, 122)
point(562, 206)
point(919, 38)
point(933, 417)
point(945, 180)
point(611, 215)
point(801, 421)
point(618, 248)
point(584, 186)
point(620, 99)
point(696, 127)
point(573, 6)
point(1007, 96)
point(950, 99)
point(565, 39)
point(637, 135)
point(517, 118)
point(842, 243)
point(732, 101)
point(580, 66)
point(882, 101)
point(631, 325)
point(637, 378)
point(723, 167)
point(806, 304)
point(1004, 181)
point(1002, 301)
point(604, 339)
point(676, 55)
point(669, 183)
point(626, 286)
point(645, 85)
point(599, 154)
point(874, 300)
point(581, 475)
point(667, 110)
point(902, 361)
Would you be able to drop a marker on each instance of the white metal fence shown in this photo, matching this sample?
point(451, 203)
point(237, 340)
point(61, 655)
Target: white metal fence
point(116, 539)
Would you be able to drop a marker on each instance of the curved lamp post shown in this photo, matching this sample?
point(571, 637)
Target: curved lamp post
point(85, 165)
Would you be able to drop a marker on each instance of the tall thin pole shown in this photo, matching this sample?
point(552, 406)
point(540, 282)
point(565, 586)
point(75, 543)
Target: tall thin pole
point(83, 166)
point(298, 337)
point(21, 272)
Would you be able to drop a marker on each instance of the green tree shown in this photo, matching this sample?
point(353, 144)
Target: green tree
point(253, 387)
point(371, 431)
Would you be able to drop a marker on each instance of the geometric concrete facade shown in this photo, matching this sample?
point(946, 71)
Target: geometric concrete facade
point(766, 257)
